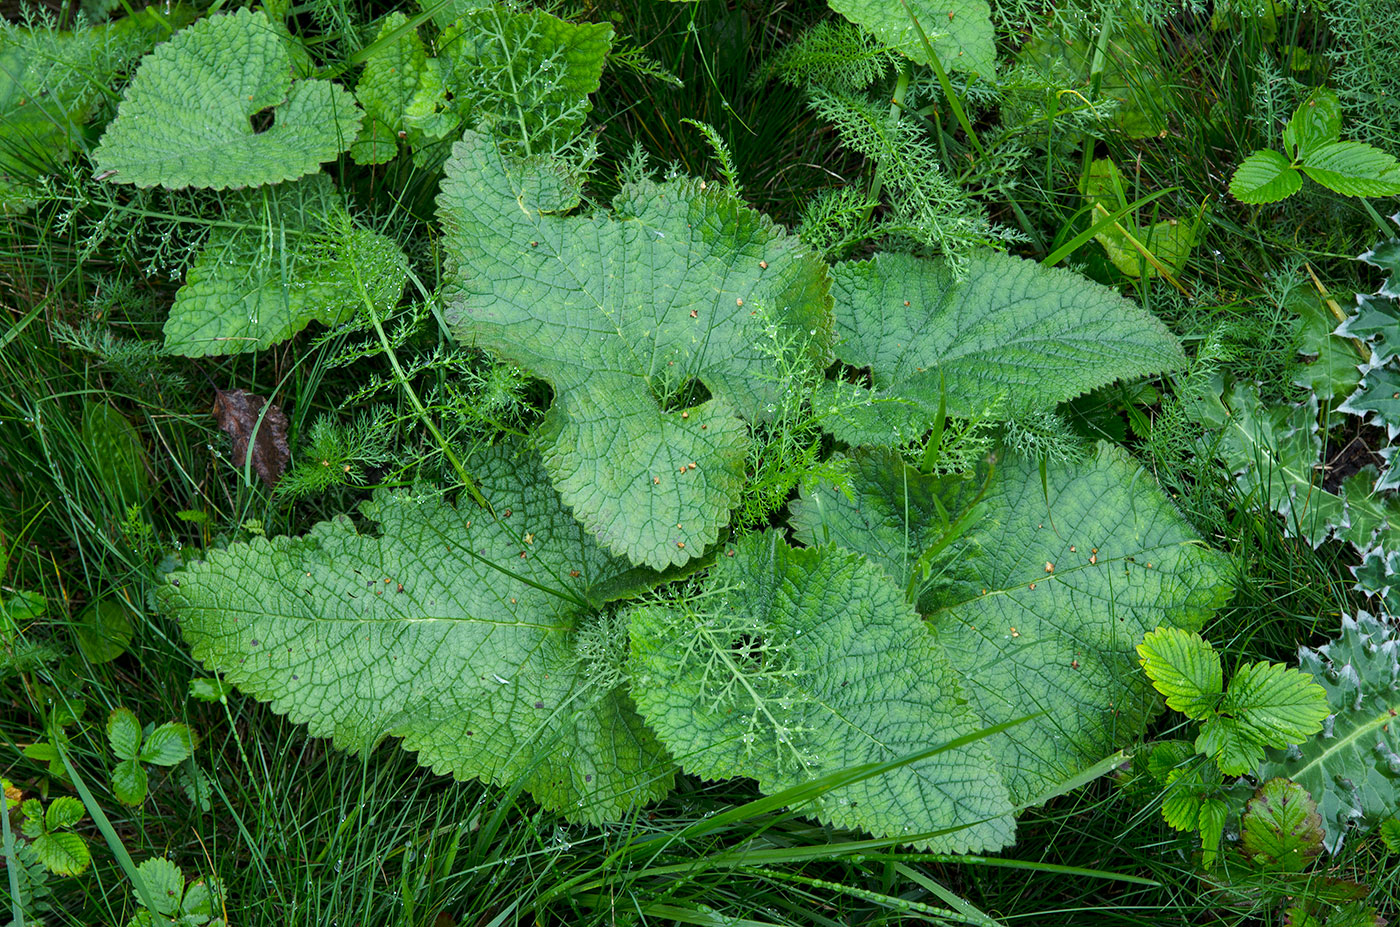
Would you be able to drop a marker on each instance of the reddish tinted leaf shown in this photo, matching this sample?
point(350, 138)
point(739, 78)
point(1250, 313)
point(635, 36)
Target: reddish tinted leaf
point(266, 441)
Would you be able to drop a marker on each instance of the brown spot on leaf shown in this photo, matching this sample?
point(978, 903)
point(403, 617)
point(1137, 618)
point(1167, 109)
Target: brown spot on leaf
point(265, 442)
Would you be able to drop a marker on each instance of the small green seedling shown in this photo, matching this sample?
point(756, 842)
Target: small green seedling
point(1312, 140)
point(193, 905)
point(166, 745)
point(61, 851)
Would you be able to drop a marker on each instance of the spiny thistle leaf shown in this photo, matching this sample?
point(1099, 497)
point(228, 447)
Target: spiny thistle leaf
point(448, 628)
point(620, 313)
point(294, 257)
point(801, 662)
point(187, 119)
point(1352, 767)
point(1008, 336)
point(1046, 614)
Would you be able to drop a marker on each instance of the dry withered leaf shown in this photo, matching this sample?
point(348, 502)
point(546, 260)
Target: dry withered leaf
point(237, 412)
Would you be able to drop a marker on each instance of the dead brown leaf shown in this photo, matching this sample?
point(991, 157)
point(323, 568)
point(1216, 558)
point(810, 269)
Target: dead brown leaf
point(237, 412)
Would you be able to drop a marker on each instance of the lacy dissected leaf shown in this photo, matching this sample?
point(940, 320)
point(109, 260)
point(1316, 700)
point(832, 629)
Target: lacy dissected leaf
point(1352, 767)
point(960, 31)
point(193, 114)
point(294, 257)
point(52, 82)
point(1184, 668)
point(1010, 336)
point(448, 628)
point(1281, 827)
point(1130, 75)
point(802, 662)
point(254, 433)
point(619, 313)
point(1046, 615)
point(1265, 177)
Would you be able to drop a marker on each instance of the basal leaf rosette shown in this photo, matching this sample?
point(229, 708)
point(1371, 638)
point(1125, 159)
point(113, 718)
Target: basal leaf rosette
point(622, 312)
point(193, 114)
point(1060, 582)
point(474, 639)
point(1007, 336)
point(796, 663)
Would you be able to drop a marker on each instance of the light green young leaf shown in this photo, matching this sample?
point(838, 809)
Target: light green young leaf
point(1265, 177)
point(165, 883)
point(1230, 744)
point(168, 744)
point(1281, 828)
point(1389, 830)
point(1353, 169)
point(187, 118)
point(1010, 336)
point(1184, 668)
point(801, 662)
point(124, 733)
point(1122, 562)
point(1352, 766)
point(1275, 705)
point(960, 31)
point(209, 689)
point(64, 854)
point(64, 811)
point(456, 631)
point(297, 257)
point(129, 782)
point(1169, 241)
point(1317, 122)
point(620, 314)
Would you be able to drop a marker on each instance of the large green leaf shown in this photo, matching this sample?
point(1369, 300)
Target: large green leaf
point(458, 632)
point(619, 313)
point(799, 663)
point(1352, 767)
point(1046, 613)
point(293, 256)
point(188, 116)
point(1008, 336)
point(960, 31)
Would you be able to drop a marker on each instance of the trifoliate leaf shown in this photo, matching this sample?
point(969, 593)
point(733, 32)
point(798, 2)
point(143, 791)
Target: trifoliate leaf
point(294, 257)
point(960, 31)
point(129, 782)
point(63, 854)
point(1230, 744)
point(1317, 122)
point(1185, 790)
point(165, 883)
point(1046, 614)
point(1275, 704)
point(201, 899)
point(168, 744)
point(1281, 828)
point(1265, 177)
point(1184, 668)
point(1353, 169)
point(1010, 336)
point(124, 733)
point(796, 663)
point(456, 631)
point(1165, 756)
point(1352, 767)
point(622, 314)
point(194, 114)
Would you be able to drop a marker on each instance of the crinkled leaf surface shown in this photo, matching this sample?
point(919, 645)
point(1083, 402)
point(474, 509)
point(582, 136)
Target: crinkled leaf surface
point(399, 78)
point(618, 312)
point(1046, 615)
point(801, 662)
point(960, 31)
point(1352, 767)
point(187, 119)
point(1010, 336)
point(295, 257)
point(439, 628)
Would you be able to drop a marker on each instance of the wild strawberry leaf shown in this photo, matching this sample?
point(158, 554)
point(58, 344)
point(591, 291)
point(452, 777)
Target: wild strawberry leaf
point(475, 639)
point(797, 663)
point(195, 114)
point(1008, 336)
point(630, 317)
point(1184, 668)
